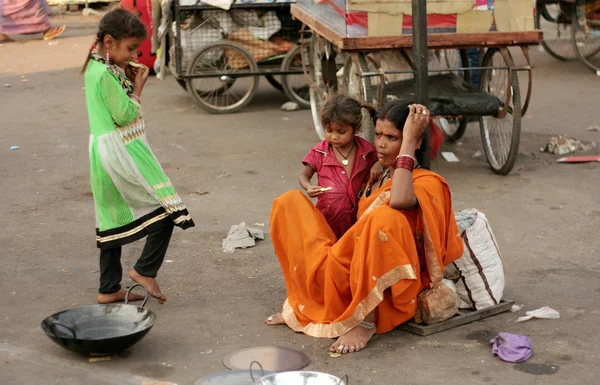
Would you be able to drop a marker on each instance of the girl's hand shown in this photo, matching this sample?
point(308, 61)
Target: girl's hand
point(131, 72)
point(376, 171)
point(141, 77)
point(314, 191)
point(416, 123)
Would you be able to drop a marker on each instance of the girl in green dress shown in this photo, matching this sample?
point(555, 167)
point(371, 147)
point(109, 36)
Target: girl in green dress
point(132, 195)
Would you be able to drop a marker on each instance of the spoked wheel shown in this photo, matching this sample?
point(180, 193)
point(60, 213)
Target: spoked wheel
point(501, 136)
point(295, 85)
point(362, 88)
point(319, 91)
point(454, 127)
point(554, 18)
point(585, 33)
point(226, 91)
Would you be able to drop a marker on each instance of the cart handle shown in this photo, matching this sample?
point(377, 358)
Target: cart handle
point(262, 371)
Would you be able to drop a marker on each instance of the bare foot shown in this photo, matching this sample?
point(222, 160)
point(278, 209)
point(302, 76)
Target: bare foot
point(353, 341)
point(275, 319)
point(5, 39)
point(118, 296)
point(54, 32)
point(150, 283)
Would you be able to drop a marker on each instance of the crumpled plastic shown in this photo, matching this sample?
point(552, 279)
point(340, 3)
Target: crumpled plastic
point(512, 347)
point(543, 313)
point(241, 237)
point(562, 145)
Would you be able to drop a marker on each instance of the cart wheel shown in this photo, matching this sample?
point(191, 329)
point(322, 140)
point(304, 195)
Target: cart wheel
point(454, 127)
point(501, 136)
point(226, 91)
point(553, 19)
point(585, 34)
point(319, 91)
point(295, 86)
point(363, 88)
point(274, 82)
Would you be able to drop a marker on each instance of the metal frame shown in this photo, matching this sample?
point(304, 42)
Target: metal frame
point(178, 9)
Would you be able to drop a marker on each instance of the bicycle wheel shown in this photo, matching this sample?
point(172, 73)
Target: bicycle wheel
point(363, 89)
point(294, 85)
point(454, 127)
point(225, 92)
point(554, 18)
point(501, 136)
point(585, 33)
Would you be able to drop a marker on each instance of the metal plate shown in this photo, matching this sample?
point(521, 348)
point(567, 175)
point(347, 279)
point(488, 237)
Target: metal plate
point(272, 358)
point(234, 377)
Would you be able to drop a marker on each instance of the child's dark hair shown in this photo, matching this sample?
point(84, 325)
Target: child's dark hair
point(344, 109)
point(119, 24)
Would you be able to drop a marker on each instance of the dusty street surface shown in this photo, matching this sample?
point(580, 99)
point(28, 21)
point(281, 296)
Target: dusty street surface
point(545, 215)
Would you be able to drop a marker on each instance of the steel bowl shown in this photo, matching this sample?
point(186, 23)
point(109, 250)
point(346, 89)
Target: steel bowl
point(301, 378)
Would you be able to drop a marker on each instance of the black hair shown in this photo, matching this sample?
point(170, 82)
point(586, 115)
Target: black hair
point(119, 24)
point(344, 109)
point(396, 112)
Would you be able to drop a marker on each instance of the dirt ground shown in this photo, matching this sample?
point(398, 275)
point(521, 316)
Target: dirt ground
point(545, 215)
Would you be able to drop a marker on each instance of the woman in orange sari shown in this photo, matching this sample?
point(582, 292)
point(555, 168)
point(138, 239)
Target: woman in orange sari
point(368, 281)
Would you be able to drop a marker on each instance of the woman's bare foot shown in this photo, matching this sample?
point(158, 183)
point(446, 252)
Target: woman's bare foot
point(353, 341)
point(275, 319)
point(150, 283)
point(54, 32)
point(5, 39)
point(118, 296)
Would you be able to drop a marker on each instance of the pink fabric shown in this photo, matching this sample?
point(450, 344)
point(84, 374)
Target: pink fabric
point(18, 17)
point(340, 204)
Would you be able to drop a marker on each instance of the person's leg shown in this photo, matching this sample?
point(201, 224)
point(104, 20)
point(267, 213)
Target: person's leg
point(153, 255)
point(111, 273)
point(473, 57)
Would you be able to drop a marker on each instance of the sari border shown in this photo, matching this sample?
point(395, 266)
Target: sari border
point(364, 307)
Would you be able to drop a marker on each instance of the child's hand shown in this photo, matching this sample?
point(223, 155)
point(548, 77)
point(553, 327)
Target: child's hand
point(314, 191)
point(141, 76)
point(376, 171)
point(131, 72)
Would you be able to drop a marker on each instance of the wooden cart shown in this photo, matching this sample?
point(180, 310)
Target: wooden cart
point(496, 103)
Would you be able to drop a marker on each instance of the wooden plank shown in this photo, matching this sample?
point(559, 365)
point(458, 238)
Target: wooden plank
point(463, 318)
point(437, 40)
point(317, 26)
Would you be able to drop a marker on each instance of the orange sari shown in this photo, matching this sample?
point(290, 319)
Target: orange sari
point(376, 266)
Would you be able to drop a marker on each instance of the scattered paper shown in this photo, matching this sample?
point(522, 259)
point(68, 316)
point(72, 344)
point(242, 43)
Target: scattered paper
point(516, 308)
point(13, 148)
point(241, 237)
point(562, 145)
point(290, 106)
point(593, 128)
point(65, 270)
point(259, 224)
point(542, 313)
point(169, 261)
point(450, 157)
point(224, 175)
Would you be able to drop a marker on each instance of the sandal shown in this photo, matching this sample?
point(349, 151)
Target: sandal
point(54, 32)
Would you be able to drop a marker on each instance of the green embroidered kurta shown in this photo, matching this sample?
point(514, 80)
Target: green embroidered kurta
point(132, 195)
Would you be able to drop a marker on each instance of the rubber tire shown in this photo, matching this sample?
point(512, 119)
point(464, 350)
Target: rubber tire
point(287, 89)
point(516, 131)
